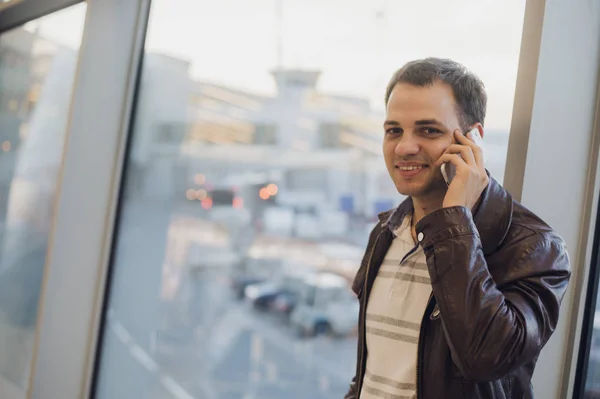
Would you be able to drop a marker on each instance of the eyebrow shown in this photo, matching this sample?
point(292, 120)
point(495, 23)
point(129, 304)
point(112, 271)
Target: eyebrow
point(421, 122)
point(428, 122)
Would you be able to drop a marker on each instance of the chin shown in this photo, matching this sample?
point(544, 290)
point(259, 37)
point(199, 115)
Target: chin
point(410, 192)
point(421, 189)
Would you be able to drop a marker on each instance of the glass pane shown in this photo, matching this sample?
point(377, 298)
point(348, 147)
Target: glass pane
point(592, 380)
point(37, 69)
point(253, 180)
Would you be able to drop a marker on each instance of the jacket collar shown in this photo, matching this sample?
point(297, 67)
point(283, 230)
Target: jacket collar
point(492, 216)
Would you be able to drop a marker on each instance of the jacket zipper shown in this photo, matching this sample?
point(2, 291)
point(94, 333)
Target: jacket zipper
point(364, 299)
point(419, 340)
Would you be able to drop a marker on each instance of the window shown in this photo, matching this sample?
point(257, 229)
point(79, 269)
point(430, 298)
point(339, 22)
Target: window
point(235, 251)
point(587, 380)
point(265, 133)
point(34, 106)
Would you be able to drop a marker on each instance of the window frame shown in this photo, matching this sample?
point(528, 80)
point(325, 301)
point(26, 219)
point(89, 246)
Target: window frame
point(72, 295)
point(19, 12)
point(12, 15)
point(587, 327)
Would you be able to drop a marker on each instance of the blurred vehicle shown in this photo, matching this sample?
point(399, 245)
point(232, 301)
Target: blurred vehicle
point(285, 303)
point(326, 305)
point(279, 295)
point(239, 284)
point(222, 197)
point(262, 295)
point(225, 206)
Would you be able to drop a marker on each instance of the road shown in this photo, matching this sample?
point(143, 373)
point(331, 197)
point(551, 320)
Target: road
point(241, 353)
point(212, 346)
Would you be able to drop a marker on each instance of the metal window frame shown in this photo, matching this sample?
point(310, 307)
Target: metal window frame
point(587, 328)
point(80, 243)
point(12, 15)
point(582, 328)
point(19, 12)
point(553, 32)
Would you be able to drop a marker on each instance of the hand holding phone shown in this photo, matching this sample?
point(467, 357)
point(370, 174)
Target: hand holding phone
point(448, 169)
point(463, 170)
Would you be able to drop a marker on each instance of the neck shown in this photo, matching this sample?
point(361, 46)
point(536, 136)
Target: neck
point(423, 207)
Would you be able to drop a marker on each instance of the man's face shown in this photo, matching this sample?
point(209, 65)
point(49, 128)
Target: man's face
point(419, 126)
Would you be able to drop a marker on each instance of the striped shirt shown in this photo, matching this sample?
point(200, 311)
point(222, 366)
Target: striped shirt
point(396, 305)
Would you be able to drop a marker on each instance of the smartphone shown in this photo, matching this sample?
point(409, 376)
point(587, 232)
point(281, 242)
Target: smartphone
point(448, 169)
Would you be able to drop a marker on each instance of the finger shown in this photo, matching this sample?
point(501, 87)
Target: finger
point(454, 159)
point(477, 150)
point(465, 152)
point(467, 140)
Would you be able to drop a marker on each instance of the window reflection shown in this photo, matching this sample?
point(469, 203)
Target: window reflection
point(36, 79)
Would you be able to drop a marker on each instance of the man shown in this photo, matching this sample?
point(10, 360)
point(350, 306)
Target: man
point(460, 286)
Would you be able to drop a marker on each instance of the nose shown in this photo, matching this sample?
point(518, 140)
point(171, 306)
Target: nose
point(407, 145)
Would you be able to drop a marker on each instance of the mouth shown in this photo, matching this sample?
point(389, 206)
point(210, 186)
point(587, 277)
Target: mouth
point(410, 170)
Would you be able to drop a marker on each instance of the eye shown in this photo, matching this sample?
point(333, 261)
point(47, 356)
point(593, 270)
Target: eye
point(431, 131)
point(394, 131)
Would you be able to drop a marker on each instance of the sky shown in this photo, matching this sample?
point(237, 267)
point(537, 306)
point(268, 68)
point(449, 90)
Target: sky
point(356, 44)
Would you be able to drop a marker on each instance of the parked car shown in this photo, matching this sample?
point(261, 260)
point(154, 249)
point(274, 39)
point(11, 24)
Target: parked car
point(285, 303)
point(261, 295)
point(278, 295)
point(326, 305)
point(239, 284)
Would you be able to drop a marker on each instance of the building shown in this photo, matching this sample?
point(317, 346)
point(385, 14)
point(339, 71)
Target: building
point(323, 151)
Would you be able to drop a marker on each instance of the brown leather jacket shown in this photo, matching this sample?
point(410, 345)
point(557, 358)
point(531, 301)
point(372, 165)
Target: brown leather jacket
point(498, 278)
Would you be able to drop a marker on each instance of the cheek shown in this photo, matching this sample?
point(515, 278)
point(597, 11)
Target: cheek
point(389, 151)
point(435, 152)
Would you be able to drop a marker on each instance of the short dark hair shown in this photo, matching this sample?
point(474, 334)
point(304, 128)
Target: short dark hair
point(468, 89)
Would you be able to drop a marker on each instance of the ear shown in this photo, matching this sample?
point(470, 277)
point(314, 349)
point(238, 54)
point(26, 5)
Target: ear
point(479, 127)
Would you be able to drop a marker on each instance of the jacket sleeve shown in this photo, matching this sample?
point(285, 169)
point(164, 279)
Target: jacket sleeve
point(493, 329)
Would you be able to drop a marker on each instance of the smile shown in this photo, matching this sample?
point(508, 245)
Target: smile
point(408, 168)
